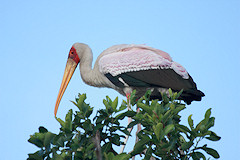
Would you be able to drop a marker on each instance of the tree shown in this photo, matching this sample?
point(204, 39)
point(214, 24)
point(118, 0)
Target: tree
point(162, 135)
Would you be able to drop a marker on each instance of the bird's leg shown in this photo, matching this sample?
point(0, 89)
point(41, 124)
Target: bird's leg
point(139, 128)
point(129, 121)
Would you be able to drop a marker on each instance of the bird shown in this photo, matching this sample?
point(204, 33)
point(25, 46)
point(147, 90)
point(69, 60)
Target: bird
point(128, 67)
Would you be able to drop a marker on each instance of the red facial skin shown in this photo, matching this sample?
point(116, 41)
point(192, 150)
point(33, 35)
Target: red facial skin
point(73, 55)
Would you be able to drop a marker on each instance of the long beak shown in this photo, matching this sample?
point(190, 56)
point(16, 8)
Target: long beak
point(69, 70)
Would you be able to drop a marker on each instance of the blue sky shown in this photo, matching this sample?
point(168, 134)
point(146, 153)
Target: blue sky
point(36, 37)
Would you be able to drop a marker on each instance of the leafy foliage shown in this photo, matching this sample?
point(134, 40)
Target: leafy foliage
point(162, 136)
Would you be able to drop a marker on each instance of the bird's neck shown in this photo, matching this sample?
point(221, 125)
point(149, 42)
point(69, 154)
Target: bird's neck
point(86, 72)
point(90, 76)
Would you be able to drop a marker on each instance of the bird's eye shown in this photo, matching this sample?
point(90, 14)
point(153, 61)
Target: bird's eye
point(72, 53)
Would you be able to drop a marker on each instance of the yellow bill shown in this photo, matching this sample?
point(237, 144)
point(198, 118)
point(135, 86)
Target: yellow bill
point(69, 70)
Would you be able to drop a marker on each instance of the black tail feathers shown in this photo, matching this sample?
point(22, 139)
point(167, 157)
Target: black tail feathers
point(191, 95)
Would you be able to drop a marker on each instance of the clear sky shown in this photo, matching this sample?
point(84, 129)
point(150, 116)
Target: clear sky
point(36, 37)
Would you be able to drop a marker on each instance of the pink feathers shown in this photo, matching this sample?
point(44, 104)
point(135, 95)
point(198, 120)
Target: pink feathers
point(126, 58)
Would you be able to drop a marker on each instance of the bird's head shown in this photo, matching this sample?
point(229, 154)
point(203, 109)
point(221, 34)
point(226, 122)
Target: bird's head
point(74, 56)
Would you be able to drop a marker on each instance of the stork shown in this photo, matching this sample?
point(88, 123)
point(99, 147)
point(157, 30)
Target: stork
point(128, 67)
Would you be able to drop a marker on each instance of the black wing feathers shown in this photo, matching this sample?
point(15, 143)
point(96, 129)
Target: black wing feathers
point(162, 78)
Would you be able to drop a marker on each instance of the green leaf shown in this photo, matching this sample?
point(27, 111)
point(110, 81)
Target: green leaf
point(106, 147)
point(172, 143)
point(210, 123)
point(154, 104)
point(165, 98)
point(172, 106)
point(202, 128)
point(179, 94)
point(74, 103)
point(109, 156)
point(81, 100)
point(59, 140)
point(174, 96)
point(198, 156)
point(211, 151)
point(147, 94)
point(68, 121)
point(140, 145)
point(36, 156)
point(190, 122)
point(122, 156)
point(183, 128)
point(105, 102)
point(199, 125)
point(126, 114)
point(65, 155)
point(48, 138)
point(166, 116)
point(89, 112)
point(170, 92)
point(213, 137)
point(133, 98)
point(116, 139)
point(182, 139)
point(100, 119)
point(208, 113)
point(145, 107)
point(108, 103)
point(157, 130)
point(123, 106)
point(169, 128)
point(110, 110)
point(42, 129)
point(115, 103)
point(90, 147)
point(62, 123)
point(87, 125)
point(57, 157)
point(186, 145)
point(148, 153)
point(37, 139)
point(133, 123)
point(179, 108)
point(103, 112)
point(86, 110)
